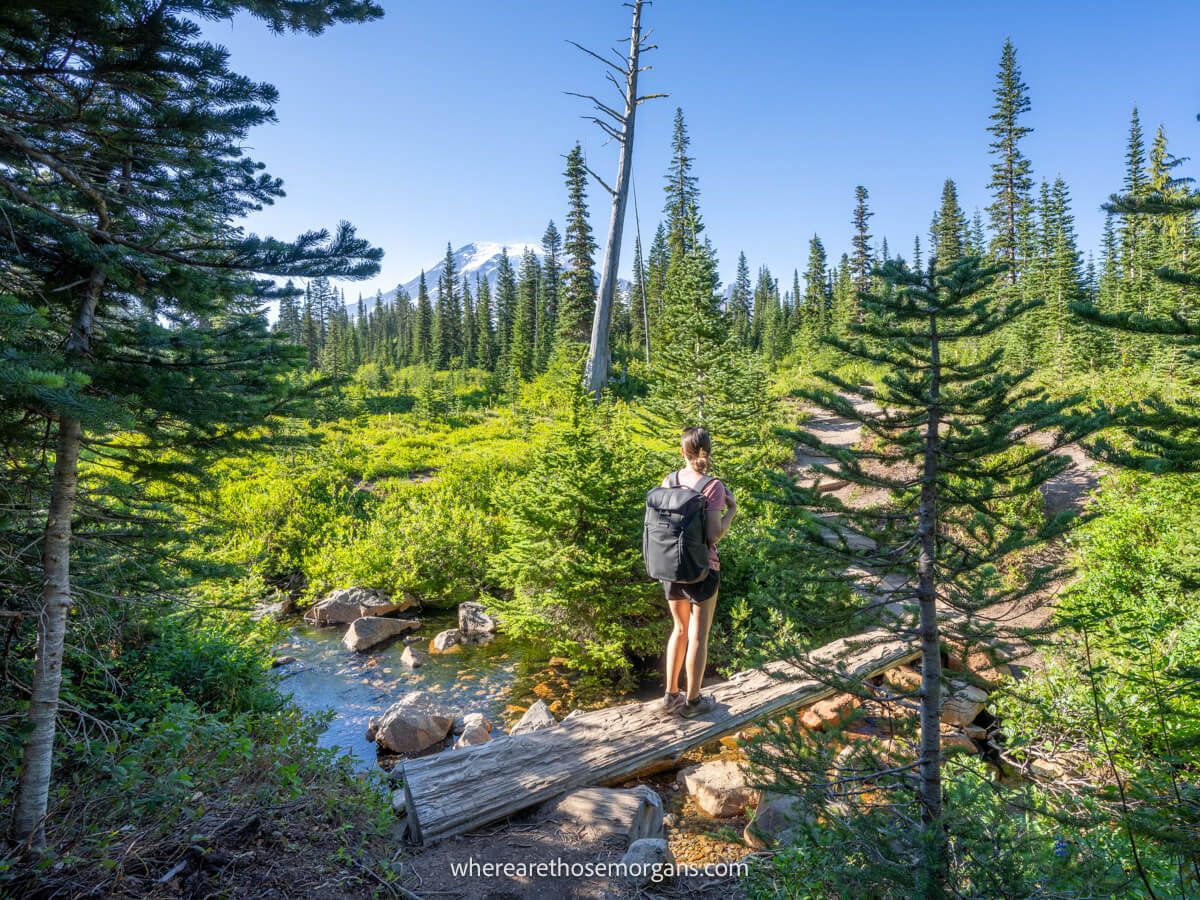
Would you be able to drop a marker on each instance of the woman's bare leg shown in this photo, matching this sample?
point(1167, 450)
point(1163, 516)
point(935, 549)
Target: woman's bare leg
point(697, 645)
point(677, 644)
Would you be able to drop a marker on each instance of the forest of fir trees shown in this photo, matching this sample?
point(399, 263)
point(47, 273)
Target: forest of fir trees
point(539, 303)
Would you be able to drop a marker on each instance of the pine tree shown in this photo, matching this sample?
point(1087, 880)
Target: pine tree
point(739, 308)
point(1011, 182)
point(657, 263)
point(447, 316)
point(521, 348)
point(702, 375)
point(816, 289)
point(682, 208)
point(423, 350)
point(401, 324)
point(639, 310)
point(578, 303)
point(468, 329)
point(949, 230)
point(125, 176)
point(953, 435)
point(861, 259)
point(547, 320)
point(763, 299)
point(289, 324)
point(485, 338)
point(506, 307)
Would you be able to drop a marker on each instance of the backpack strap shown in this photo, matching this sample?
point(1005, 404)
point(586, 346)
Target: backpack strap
point(705, 481)
point(673, 479)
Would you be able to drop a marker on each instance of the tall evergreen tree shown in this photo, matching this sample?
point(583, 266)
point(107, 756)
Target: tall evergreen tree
point(485, 332)
point(952, 437)
point(949, 231)
point(506, 306)
point(739, 308)
point(682, 208)
point(861, 259)
point(816, 289)
point(578, 304)
point(423, 350)
point(1011, 182)
point(447, 316)
point(547, 320)
point(521, 349)
point(467, 330)
point(123, 182)
point(639, 310)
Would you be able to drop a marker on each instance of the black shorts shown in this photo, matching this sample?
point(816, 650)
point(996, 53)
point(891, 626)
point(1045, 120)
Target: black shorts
point(695, 591)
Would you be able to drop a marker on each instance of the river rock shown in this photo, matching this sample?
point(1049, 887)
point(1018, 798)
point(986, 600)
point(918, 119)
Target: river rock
point(631, 814)
point(776, 814)
point(473, 620)
point(476, 729)
point(282, 661)
point(399, 804)
point(536, 717)
point(412, 658)
point(962, 706)
point(719, 787)
point(343, 606)
point(445, 641)
point(646, 859)
point(277, 611)
point(365, 633)
point(413, 723)
point(827, 714)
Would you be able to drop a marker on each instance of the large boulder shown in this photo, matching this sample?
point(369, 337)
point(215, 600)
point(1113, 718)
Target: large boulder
point(719, 787)
point(646, 861)
point(345, 605)
point(446, 641)
point(473, 620)
point(365, 633)
point(631, 814)
point(413, 723)
point(776, 814)
point(476, 729)
point(536, 717)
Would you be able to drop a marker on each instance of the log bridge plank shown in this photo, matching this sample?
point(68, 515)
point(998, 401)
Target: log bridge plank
point(456, 791)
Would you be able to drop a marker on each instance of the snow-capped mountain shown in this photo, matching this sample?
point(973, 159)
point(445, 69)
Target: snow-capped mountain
point(481, 258)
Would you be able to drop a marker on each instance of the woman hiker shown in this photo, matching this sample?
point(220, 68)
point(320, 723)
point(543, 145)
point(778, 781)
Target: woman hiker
point(692, 605)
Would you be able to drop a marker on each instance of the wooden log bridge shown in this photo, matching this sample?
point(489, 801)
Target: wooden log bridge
point(459, 790)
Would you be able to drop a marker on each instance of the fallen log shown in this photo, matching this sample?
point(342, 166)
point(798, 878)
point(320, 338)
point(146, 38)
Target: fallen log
point(449, 794)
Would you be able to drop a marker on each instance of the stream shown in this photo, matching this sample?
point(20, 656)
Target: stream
point(357, 686)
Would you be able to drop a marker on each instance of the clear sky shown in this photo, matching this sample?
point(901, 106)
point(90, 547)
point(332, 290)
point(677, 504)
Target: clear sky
point(447, 121)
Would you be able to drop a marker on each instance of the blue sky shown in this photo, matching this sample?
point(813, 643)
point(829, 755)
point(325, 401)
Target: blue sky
point(448, 122)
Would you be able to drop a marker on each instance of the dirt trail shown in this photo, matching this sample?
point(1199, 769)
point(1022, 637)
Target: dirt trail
point(1069, 490)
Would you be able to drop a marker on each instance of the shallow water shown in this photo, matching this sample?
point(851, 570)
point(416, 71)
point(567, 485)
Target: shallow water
point(357, 686)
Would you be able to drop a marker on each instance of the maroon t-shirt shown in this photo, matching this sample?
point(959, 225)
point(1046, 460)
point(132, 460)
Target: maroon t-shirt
point(714, 496)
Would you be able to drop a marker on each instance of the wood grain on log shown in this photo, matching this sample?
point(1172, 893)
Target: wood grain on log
point(448, 794)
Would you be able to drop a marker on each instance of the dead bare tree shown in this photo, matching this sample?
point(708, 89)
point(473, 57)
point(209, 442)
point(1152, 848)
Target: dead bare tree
point(619, 127)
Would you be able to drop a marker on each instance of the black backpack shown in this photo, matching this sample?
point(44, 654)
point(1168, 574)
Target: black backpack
point(675, 540)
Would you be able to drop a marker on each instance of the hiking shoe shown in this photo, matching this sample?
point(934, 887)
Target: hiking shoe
point(698, 707)
point(672, 701)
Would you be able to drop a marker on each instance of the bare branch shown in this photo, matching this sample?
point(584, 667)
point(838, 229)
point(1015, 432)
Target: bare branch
point(620, 117)
point(645, 97)
point(608, 129)
point(603, 183)
point(607, 62)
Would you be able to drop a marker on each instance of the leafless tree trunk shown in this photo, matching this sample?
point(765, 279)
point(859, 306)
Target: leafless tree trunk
point(931, 660)
point(29, 808)
point(619, 126)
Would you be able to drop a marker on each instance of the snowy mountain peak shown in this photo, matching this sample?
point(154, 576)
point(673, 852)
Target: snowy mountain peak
point(479, 258)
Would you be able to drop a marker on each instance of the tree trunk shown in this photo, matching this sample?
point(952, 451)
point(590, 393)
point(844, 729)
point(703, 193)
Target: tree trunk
point(599, 357)
point(934, 841)
point(29, 806)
